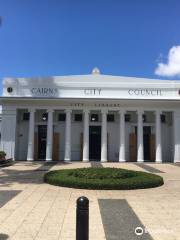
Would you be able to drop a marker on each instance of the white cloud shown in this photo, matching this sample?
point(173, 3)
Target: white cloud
point(172, 67)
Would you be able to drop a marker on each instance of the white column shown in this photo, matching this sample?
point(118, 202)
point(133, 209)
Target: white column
point(104, 136)
point(176, 126)
point(158, 137)
point(30, 152)
point(122, 136)
point(49, 143)
point(140, 147)
point(67, 155)
point(86, 137)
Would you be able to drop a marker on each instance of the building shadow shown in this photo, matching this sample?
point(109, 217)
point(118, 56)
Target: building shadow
point(121, 222)
point(3, 236)
point(10, 175)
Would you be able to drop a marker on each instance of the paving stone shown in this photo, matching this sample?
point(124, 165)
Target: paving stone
point(43, 212)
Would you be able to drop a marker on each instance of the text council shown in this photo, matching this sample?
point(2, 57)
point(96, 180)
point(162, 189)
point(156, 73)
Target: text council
point(44, 91)
point(145, 92)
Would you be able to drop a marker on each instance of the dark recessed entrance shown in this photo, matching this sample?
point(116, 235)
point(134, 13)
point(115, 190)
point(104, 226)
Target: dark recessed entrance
point(95, 143)
point(42, 135)
point(147, 142)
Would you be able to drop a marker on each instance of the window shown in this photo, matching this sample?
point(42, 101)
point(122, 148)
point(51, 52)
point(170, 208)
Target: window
point(163, 118)
point(94, 117)
point(110, 117)
point(127, 117)
point(62, 117)
point(44, 116)
point(78, 117)
point(144, 118)
point(26, 116)
point(9, 89)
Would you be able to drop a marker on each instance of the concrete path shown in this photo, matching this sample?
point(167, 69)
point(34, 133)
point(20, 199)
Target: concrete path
point(34, 210)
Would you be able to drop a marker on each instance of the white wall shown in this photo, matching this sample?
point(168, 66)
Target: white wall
point(113, 140)
point(167, 138)
point(60, 128)
point(77, 129)
point(22, 136)
point(8, 131)
point(177, 136)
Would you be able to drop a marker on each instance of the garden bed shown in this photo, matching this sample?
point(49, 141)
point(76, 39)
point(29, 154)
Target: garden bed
point(103, 178)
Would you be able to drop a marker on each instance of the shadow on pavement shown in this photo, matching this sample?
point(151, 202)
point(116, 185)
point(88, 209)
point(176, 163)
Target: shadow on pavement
point(3, 236)
point(6, 196)
point(10, 175)
point(120, 221)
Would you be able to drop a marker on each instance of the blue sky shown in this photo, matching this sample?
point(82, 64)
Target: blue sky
point(66, 37)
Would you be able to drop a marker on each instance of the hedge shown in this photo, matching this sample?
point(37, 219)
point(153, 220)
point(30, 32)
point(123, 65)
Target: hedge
point(103, 178)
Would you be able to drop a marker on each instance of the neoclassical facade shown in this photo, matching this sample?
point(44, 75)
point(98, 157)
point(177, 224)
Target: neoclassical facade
point(91, 117)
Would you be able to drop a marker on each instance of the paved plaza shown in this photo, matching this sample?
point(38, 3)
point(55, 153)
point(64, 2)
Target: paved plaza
point(31, 209)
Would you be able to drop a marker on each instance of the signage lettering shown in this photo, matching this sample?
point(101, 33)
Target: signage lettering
point(145, 92)
point(95, 91)
point(97, 105)
point(44, 91)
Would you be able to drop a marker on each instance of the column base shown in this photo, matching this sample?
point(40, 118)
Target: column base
point(85, 160)
point(176, 161)
point(158, 161)
point(48, 160)
point(67, 160)
point(140, 160)
point(122, 160)
point(30, 159)
point(104, 160)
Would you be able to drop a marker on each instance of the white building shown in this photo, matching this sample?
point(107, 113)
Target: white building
point(91, 117)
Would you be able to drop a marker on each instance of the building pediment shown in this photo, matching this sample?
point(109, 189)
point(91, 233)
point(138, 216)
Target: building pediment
point(91, 86)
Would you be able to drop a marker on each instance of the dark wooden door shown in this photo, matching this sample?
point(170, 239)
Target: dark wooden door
point(36, 146)
point(133, 147)
point(42, 136)
point(81, 146)
point(56, 143)
point(152, 148)
point(146, 142)
point(95, 143)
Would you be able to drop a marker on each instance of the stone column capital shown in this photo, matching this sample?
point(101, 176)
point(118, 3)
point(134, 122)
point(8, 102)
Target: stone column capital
point(87, 111)
point(50, 110)
point(140, 111)
point(104, 111)
point(122, 111)
point(68, 110)
point(31, 110)
point(158, 111)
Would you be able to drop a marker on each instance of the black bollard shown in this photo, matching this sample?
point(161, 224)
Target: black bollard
point(82, 218)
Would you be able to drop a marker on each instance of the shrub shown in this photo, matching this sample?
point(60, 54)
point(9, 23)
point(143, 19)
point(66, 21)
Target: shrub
point(103, 178)
point(2, 155)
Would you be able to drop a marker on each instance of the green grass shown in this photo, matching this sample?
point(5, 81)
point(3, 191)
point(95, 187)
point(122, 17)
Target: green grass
point(103, 178)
